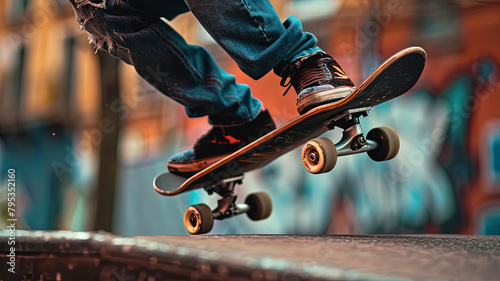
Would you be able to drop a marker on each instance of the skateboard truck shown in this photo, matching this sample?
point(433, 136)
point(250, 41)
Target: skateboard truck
point(227, 206)
point(199, 219)
point(320, 155)
point(353, 140)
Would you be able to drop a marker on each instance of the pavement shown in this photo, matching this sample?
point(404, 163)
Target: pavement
point(64, 255)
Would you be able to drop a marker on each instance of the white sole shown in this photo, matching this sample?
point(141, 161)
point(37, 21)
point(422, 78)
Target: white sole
point(319, 98)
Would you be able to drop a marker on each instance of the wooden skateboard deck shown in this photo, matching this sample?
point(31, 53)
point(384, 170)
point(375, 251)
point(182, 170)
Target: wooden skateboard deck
point(393, 78)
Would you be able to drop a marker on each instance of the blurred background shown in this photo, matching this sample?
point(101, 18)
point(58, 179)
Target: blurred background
point(86, 135)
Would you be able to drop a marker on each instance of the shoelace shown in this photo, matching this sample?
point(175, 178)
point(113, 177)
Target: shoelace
point(314, 72)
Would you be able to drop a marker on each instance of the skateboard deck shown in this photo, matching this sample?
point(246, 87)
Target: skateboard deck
point(393, 78)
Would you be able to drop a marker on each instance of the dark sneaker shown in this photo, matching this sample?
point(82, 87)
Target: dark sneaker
point(218, 143)
point(318, 79)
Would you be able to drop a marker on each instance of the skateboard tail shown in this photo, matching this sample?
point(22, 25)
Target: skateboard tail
point(414, 56)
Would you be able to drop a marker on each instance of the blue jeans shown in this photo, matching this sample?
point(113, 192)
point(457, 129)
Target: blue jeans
point(250, 31)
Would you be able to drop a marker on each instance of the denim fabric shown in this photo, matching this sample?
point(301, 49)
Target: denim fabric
point(250, 31)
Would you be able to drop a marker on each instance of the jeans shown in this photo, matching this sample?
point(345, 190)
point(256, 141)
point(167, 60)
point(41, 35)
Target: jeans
point(250, 31)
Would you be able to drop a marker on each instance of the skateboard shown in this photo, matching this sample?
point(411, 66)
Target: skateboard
point(393, 78)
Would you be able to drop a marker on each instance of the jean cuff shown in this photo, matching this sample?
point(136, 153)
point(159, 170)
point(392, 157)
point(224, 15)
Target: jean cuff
point(278, 70)
point(307, 52)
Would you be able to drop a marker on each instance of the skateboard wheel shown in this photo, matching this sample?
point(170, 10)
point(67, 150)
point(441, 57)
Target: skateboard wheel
point(198, 219)
point(319, 156)
point(260, 205)
point(388, 143)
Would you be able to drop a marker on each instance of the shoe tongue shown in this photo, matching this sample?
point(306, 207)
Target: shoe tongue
point(317, 61)
point(328, 59)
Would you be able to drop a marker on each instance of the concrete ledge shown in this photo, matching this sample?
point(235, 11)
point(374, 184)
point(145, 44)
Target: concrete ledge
point(63, 255)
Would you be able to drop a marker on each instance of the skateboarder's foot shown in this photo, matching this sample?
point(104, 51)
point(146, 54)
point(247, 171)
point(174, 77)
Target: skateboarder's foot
point(219, 142)
point(318, 79)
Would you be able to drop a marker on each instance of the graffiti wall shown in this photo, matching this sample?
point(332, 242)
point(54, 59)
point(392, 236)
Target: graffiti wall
point(445, 179)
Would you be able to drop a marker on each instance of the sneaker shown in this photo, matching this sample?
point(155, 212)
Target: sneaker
point(218, 143)
point(318, 79)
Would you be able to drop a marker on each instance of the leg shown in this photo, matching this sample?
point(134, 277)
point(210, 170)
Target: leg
point(251, 32)
point(186, 73)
